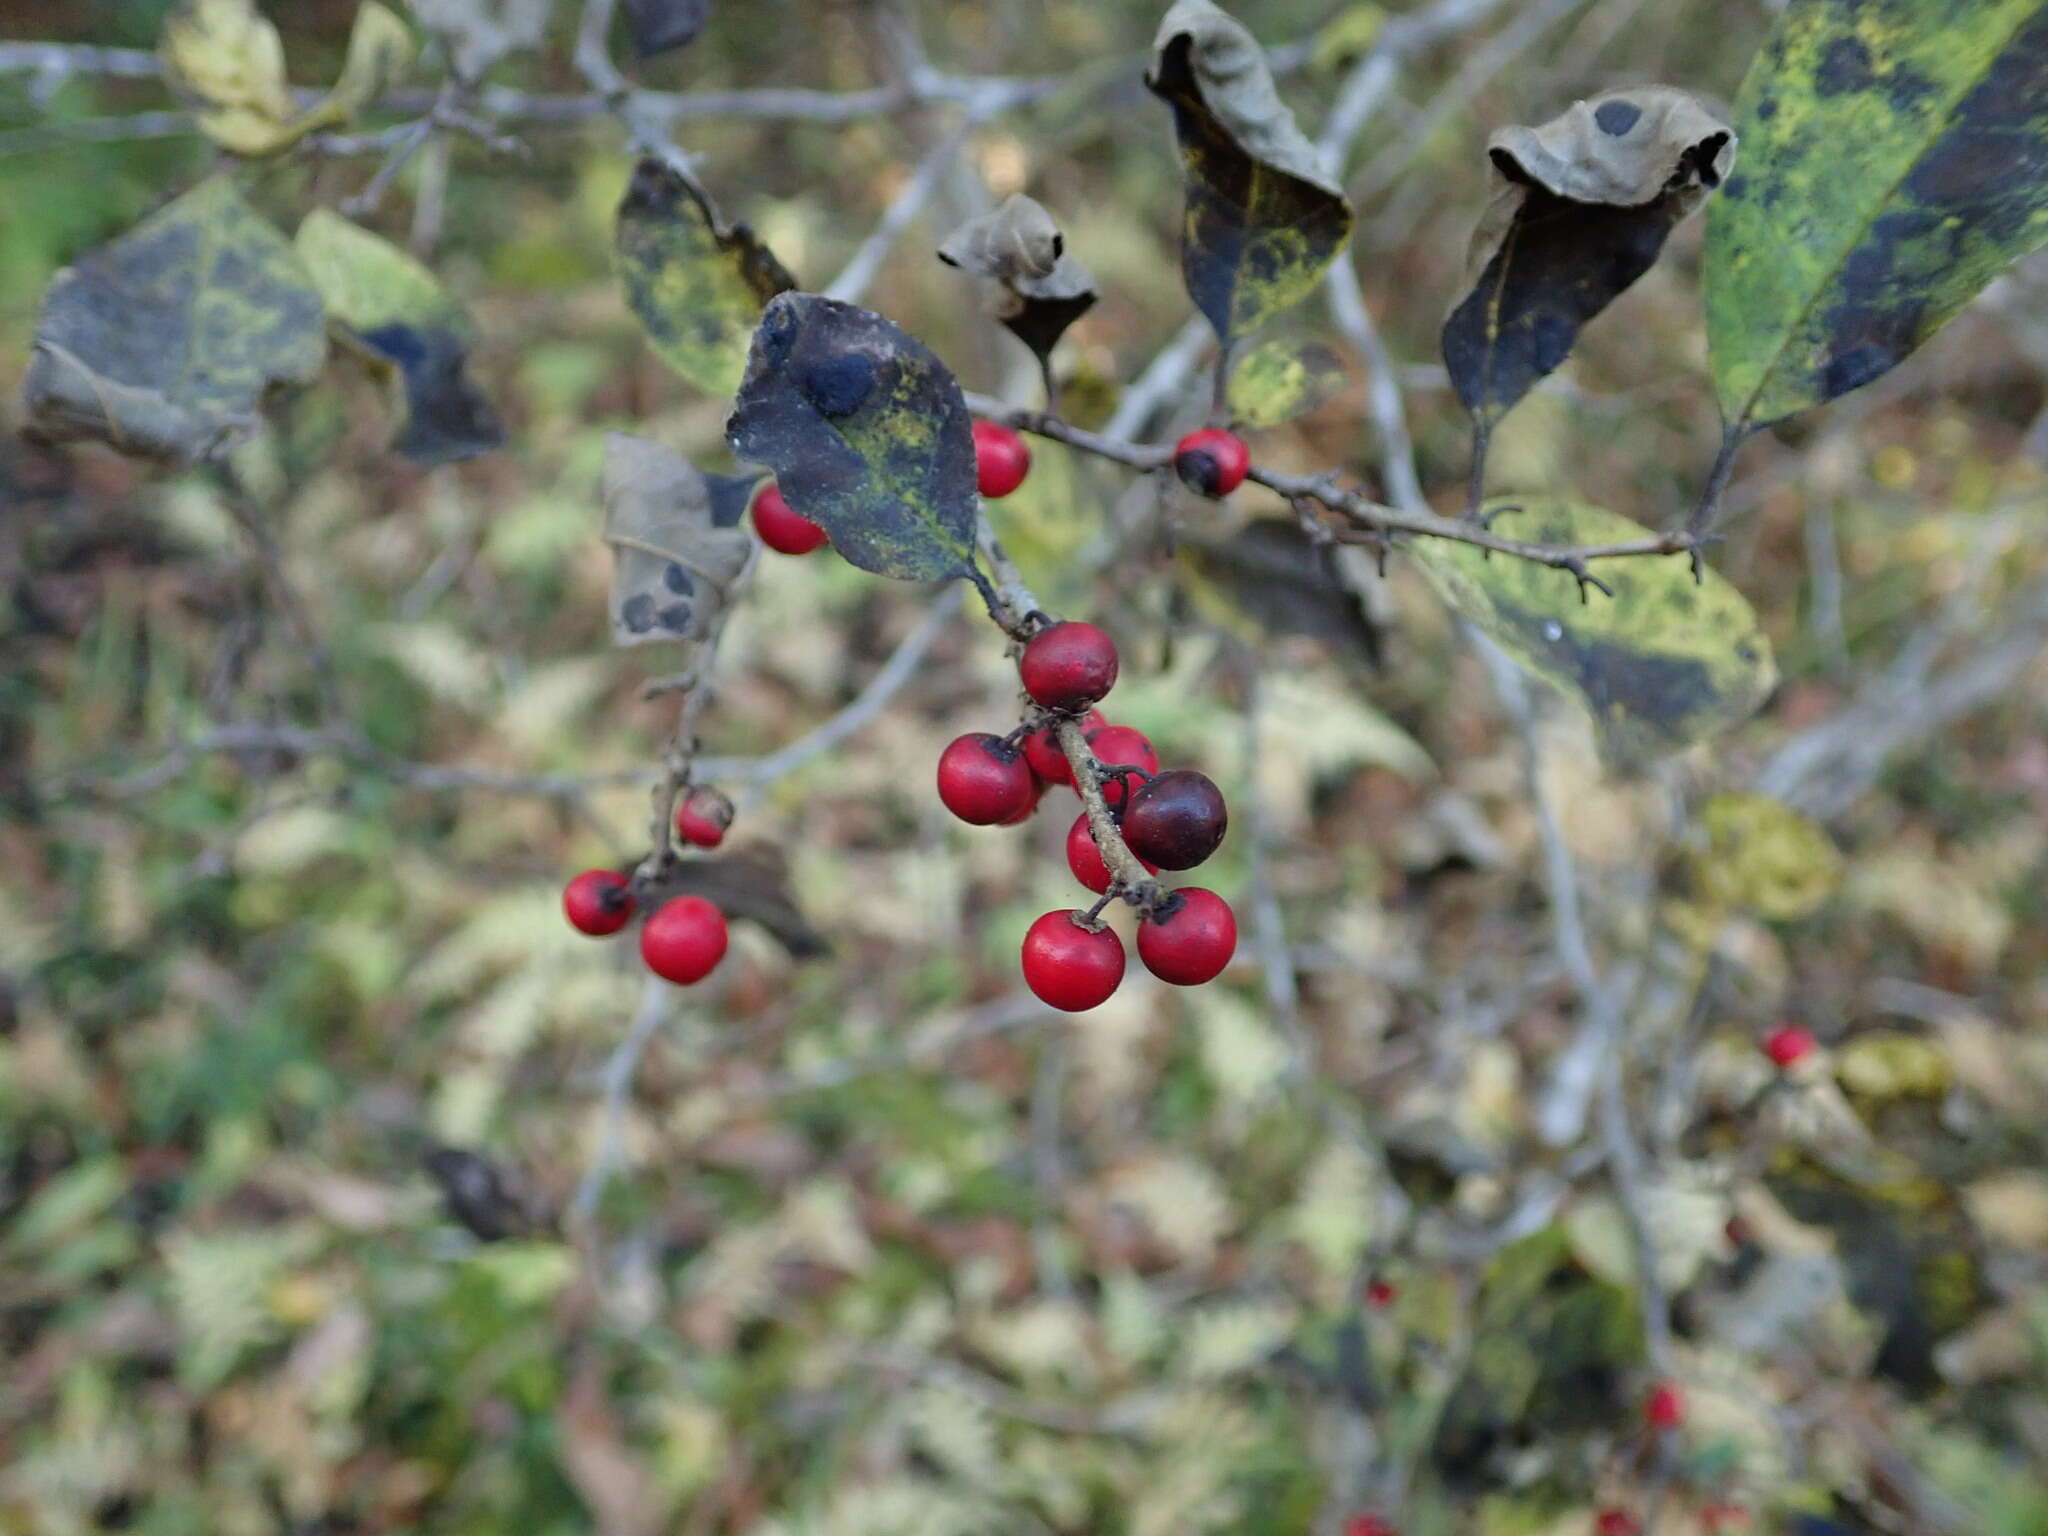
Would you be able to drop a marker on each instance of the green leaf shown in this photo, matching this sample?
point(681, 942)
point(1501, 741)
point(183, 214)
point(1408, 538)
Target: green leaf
point(697, 285)
point(1264, 219)
point(1661, 664)
point(1895, 159)
point(674, 567)
point(1281, 379)
point(392, 309)
point(165, 342)
point(867, 433)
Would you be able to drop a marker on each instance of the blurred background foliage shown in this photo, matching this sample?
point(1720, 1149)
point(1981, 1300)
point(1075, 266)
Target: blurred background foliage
point(298, 1064)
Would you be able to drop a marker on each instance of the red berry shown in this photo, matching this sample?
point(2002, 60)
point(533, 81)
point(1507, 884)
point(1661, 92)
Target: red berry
point(1176, 819)
point(1190, 939)
point(702, 818)
point(1380, 1294)
point(1788, 1045)
point(1617, 1522)
point(1212, 461)
point(1068, 967)
point(1665, 1408)
point(1118, 746)
point(1085, 859)
point(598, 902)
point(1368, 1525)
point(684, 940)
point(783, 530)
point(1030, 804)
point(1001, 461)
point(1715, 1518)
point(1042, 750)
point(1068, 666)
point(984, 780)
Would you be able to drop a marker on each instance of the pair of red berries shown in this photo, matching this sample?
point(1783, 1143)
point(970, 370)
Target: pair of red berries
point(682, 940)
point(1074, 963)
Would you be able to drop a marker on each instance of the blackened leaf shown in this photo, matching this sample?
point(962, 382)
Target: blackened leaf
point(1280, 379)
point(1264, 219)
point(478, 33)
point(165, 342)
point(673, 566)
point(1896, 160)
point(697, 285)
point(1661, 664)
point(867, 434)
point(1580, 209)
point(385, 304)
point(754, 884)
point(731, 495)
point(1033, 286)
point(492, 1199)
point(661, 25)
point(1270, 572)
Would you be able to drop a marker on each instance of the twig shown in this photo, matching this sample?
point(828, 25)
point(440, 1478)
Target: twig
point(853, 282)
point(1399, 40)
point(656, 1000)
point(1128, 878)
point(1269, 928)
point(1048, 1166)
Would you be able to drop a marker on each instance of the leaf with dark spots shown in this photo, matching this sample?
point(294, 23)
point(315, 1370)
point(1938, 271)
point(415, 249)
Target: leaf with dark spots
point(1661, 664)
point(1264, 219)
point(867, 433)
point(1896, 160)
point(674, 567)
point(1030, 281)
point(753, 884)
point(696, 284)
point(1581, 208)
point(166, 342)
point(1271, 575)
point(1281, 379)
point(660, 26)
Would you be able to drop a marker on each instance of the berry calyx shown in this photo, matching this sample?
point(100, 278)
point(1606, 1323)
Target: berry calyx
point(1084, 858)
point(1176, 819)
point(1042, 750)
point(1212, 462)
point(1379, 1294)
point(1616, 1522)
point(1068, 666)
point(985, 781)
point(598, 902)
point(1070, 967)
point(1118, 746)
point(703, 817)
point(684, 941)
point(1788, 1045)
point(1001, 460)
point(1190, 938)
point(1665, 1406)
point(783, 529)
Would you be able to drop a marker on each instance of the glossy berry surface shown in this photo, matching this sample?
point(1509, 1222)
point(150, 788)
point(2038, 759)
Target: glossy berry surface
point(1042, 750)
point(1118, 746)
point(1212, 461)
point(1788, 1045)
point(1380, 1294)
point(1665, 1408)
point(598, 902)
point(1068, 666)
point(1617, 1522)
point(783, 529)
point(1176, 819)
point(683, 941)
point(1069, 968)
point(702, 818)
point(1030, 804)
point(1190, 939)
point(984, 781)
point(1001, 460)
point(1084, 858)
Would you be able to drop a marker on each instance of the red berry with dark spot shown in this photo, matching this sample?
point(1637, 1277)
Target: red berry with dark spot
point(1084, 858)
point(782, 529)
point(1190, 939)
point(1788, 1045)
point(1068, 666)
point(1617, 1522)
point(1176, 819)
point(1001, 461)
point(1212, 461)
point(1042, 750)
point(1665, 1407)
point(1380, 1294)
point(684, 941)
point(703, 817)
point(1069, 967)
point(985, 781)
point(598, 902)
point(1118, 746)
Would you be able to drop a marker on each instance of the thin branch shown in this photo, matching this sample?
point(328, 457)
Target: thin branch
point(853, 282)
point(1128, 877)
point(657, 998)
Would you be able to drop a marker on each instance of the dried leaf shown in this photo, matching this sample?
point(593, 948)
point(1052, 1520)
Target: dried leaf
point(165, 342)
point(1033, 286)
point(697, 285)
point(1264, 219)
point(1281, 379)
point(388, 306)
point(1580, 209)
point(754, 884)
point(380, 51)
point(674, 568)
point(659, 26)
point(478, 33)
point(867, 433)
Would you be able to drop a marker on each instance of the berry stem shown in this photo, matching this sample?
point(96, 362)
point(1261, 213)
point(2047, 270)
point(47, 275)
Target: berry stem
point(1128, 878)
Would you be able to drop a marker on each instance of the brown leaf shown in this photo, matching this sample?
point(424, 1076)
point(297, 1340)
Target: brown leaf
point(1030, 283)
point(753, 883)
point(674, 566)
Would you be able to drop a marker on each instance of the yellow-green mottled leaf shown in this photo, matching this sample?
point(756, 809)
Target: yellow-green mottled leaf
point(1661, 664)
point(1264, 219)
point(1895, 158)
point(227, 57)
point(388, 306)
point(165, 342)
point(868, 435)
point(1764, 857)
point(1280, 379)
point(697, 285)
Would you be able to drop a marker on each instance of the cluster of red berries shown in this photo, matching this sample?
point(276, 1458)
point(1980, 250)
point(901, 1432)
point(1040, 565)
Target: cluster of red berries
point(685, 937)
point(1171, 820)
